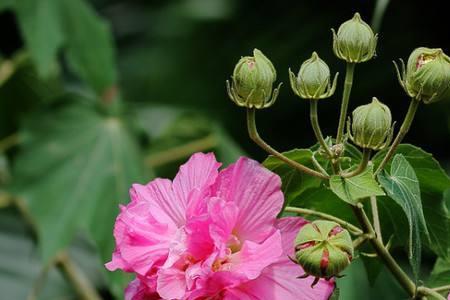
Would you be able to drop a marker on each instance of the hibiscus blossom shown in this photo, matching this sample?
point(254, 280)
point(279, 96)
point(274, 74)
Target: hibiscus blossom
point(211, 235)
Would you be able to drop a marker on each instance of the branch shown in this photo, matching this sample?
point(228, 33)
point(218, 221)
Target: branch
point(303, 211)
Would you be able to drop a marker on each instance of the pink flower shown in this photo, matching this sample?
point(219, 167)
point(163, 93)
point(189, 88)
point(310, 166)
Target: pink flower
point(211, 235)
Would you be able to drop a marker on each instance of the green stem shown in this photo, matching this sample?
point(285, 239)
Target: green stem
point(401, 134)
point(360, 240)
point(443, 288)
point(380, 9)
point(316, 127)
point(180, 152)
point(424, 291)
point(345, 99)
point(383, 253)
point(304, 211)
point(253, 132)
point(362, 165)
point(75, 276)
point(376, 217)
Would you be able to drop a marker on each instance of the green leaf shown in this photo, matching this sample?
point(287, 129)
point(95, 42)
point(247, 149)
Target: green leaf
point(440, 275)
point(294, 183)
point(89, 161)
point(41, 28)
point(433, 183)
point(403, 187)
point(353, 190)
point(90, 47)
point(50, 25)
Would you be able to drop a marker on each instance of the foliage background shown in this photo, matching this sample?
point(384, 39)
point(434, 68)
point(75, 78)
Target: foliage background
point(167, 62)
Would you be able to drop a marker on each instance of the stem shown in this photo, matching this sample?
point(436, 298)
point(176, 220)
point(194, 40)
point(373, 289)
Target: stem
point(179, 152)
point(304, 211)
point(424, 291)
point(383, 253)
point(253, 132)
point(376, 218)
point(362, 165)
point(360, 240)
point(380, 9)
point(401, 134)
point(9, 141)
point(316, 127)
point(443, 288)
point(345, 99)
point(76, 277)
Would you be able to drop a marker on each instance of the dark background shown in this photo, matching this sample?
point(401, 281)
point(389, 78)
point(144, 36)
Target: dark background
point(181, 52)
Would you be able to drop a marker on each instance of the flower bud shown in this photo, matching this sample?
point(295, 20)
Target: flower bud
point(323, 249)
point(427, 75)
point(355, 41)
point(313, 79)
point(252, 82)
point(371, 126)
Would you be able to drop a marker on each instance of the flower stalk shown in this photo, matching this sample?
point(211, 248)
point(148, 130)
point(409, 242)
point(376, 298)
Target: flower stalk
point(254, 135)
point(362, 165)
point(406, 125)
point(348, 83)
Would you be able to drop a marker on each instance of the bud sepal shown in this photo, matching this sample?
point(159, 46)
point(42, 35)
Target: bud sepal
point(313, 79)
point(252, 82)
point(323, 249)
point(371, 127)
point(426, 76)
point(354, 41)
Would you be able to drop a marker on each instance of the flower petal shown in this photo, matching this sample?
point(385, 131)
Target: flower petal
point(195, 176)
point(257, 193)
point(171, 283)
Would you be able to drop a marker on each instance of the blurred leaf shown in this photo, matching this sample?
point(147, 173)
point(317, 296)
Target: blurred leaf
point(49, 25)
point(440, 275)
point(402, 186)
point(89, 161)
point(22, 92)
point(353, 189)
point(89, 44)
point(40, 24)
point(20, 266)
point(433, 183)
point(294, 183)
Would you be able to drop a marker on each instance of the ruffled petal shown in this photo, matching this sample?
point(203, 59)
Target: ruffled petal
point(171, 283)
point(141, 241)
point(256, 191)
point(194, 179)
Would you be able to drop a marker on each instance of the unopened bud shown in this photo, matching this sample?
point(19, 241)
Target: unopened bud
point(371, 126)
point(313, 79)
point(427, 75)
point(323, 249)
point(355, 41)
point(252, 82)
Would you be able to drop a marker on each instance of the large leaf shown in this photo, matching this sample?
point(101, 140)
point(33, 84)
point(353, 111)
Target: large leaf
point(49, 25)
point(75, 167)
point(433, 183)
point(294, 182)
point(352, 190)
point(402, 186)
point(440, 275)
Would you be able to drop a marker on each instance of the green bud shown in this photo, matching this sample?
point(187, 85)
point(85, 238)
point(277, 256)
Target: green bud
point(323, 249)
point(252, 82)
point(427, 75)
point(355, 41)
point(313, 79)
point(371, 126)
